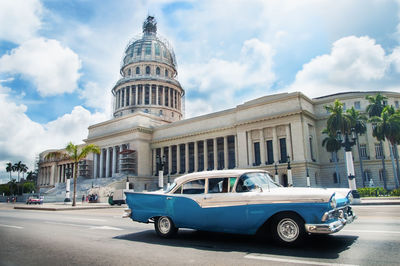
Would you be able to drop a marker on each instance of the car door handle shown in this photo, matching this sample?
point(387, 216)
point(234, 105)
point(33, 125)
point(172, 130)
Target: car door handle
point(169, 198)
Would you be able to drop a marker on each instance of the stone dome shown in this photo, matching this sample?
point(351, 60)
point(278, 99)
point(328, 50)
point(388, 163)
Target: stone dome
point(149, 47)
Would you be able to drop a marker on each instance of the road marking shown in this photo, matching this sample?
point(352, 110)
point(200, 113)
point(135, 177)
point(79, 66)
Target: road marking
point(308, 262)
point(88, 219)
point(78, 225)
point(11, 226)
point(106, 228)
point(371, 231)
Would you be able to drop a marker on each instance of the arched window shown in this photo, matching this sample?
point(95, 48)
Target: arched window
point(166, 72)
point(129, 72)
point(157, 71)
point(137, 70)
point(147, 70)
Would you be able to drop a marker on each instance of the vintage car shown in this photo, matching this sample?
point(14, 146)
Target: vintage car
point(35, 200)
point(241, 202)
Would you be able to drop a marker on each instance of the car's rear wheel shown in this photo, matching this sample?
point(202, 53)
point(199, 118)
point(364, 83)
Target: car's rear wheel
point(165, 227)
point(288, 229)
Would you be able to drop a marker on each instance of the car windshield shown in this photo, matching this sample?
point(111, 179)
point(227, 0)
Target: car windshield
point(255, 182)
point(170, 187)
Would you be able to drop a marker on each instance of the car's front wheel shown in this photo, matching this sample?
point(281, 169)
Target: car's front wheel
point(288, 229)
point(165, 227)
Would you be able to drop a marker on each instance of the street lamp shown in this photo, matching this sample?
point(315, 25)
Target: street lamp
point(289, 173)
point(307, 175)
point(276, 173)
point(68, 172)
point(160, 166)
point(347, 143)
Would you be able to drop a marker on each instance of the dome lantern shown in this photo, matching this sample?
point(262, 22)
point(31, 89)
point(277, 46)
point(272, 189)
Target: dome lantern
point(150, 26)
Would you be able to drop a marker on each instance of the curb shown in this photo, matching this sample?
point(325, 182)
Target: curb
point(65, 208)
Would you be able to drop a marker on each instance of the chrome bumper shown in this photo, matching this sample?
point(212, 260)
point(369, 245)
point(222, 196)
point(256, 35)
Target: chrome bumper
point(330, 228)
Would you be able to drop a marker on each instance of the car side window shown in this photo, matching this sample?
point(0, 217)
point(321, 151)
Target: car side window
point(221, 185)
point(194, 187)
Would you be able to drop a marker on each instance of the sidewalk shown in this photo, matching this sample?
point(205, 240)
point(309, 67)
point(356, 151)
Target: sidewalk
point(380, 201)
point(60, 206)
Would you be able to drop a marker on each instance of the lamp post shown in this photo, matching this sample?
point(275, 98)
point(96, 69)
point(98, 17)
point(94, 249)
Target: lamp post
point(307, 175)
point(289, 173)
point(160, 166)
point(127, 183)
point(68, 173)
point(347, 144)
point(276, 173)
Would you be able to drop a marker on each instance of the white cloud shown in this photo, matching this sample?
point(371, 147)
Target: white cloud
point(21, 139)
point(355, 63)
point(221, 79)
point(19, 19)
point(97, 97)
point(54, 69)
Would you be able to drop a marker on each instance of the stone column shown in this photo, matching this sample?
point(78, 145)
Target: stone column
point(262, 147)
point(215, 153)
point(205, 149)
point(226, 161)
point(114, 160)
point(107, 162)
point(196, 157)
point(186, 157)
point(178, 159)
point(143, 93)
point(157, 95)
point(169, 159)
point(249, 149)
point(275, 144)
point(119, 163)
point(101, 163)
point(61, 173)
point(154, 165)
point(289, 142)
point(136, 94)
point(95, 156)
point(236, 151)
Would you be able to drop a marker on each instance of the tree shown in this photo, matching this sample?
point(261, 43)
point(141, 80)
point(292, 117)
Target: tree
point(337, 120)
point(387, 127)
point(31, 176)
point(28, 187)
point(9, 168)
point(23, 169)
point(333, 146)
point(75, 153)
point(358, 122)
point(375, 108)
point(17, 168)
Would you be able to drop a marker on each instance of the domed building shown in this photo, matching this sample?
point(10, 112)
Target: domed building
point(148, 81)
point(148, 133)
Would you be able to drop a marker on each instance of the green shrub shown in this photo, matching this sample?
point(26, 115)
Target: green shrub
point(395, 192)
point(372, 192)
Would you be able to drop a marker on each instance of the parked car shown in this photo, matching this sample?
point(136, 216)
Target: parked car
point(35, 200)
point(242, 202)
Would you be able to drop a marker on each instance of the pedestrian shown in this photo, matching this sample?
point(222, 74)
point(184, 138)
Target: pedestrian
point(83, 199)
point(87, 198)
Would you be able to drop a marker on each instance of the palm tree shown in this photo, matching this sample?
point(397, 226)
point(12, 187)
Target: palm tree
point(388, 127)
point(9, 168)
point(23, 169)
point(333, 146)
point(337, 121)
point(358, 122)
point(75, 153)
point(375, 108)
point(17, 168)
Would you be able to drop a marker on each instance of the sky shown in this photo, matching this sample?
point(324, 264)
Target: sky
point(59, 59)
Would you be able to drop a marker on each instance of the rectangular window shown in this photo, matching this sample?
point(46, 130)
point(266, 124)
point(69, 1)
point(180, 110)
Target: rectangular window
point(123, 95)
point(139, 50)
point(182, 158)
point(378, 151)
point(166, 154)
point(133, 95)
point(221, 185)
point(311, 149)
point(231, 152)
point(166, 97)
point(282, 147)
point(380, 174)
point(396, 104)
point(210, 155)
point(173, 160)
point(200, 149)
point(194, 187)
point(153, 94)
point(148, 49)
point(257, 159)
point(127, 95)
point(171, 96)
point(140, 93)
point(147, 95)
point(191, 157)
point(157, 49)
point(357, 105)
point(363, 151)
point(270, 152)
point(160, 94)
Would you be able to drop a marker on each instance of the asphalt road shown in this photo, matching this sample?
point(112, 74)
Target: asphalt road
point(102, 237)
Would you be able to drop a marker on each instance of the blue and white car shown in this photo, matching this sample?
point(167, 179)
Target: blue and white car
point(241, 202)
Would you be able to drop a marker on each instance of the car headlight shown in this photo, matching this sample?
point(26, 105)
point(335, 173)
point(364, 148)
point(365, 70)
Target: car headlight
point(333, 202)
point(350, 197)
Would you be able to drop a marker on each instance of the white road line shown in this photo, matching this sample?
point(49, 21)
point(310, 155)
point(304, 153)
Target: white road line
point(371, 231)
point(12, 226)
point(96, 227)
point(106, 228)
point(78, 225)
point(88, 219)
point(308, 262)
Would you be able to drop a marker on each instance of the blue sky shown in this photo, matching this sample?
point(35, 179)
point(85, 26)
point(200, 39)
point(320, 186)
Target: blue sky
point(60, 59)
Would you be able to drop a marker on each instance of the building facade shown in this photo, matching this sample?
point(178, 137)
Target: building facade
point(264, 133)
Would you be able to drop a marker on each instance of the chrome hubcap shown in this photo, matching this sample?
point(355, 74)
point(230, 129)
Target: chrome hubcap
point(164, 225)
point(288, 230)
